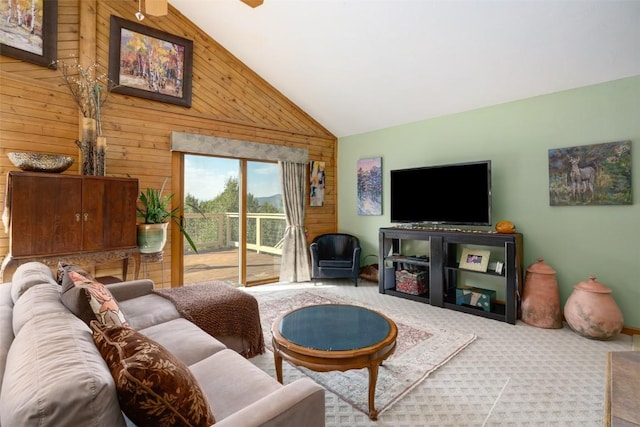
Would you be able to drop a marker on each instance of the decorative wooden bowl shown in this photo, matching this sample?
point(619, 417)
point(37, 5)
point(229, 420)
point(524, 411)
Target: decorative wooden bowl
point(41, 162)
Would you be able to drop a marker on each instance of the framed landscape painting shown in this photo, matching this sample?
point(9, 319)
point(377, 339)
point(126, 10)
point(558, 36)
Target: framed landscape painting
point(149, 63)
point(30, 34)
point(370, 186)
point(597, 174)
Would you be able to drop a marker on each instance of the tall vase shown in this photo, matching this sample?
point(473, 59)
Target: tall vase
point(87, 145)
point(541, 298)
point(100, 167)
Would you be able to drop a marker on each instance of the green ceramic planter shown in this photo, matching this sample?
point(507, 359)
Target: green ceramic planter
point(152, 237)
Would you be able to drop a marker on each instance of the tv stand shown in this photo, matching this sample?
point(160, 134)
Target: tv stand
point(444, 270)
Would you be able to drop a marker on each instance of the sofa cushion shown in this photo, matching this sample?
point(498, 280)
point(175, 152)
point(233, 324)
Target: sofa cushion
point(39, 300)
point(138, 315)
point(55, 375)
point(27, 275)
point(231, 383)
point(90, 300)
point(154, 387)
point(335, 263)
point(6, 332)
point(184, 340)
point(130, 289)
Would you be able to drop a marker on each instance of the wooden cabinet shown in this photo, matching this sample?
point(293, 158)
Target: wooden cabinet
point(441, 262)
point(70, 217)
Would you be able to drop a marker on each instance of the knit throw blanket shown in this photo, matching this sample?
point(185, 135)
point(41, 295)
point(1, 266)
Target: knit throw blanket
point(220, 310)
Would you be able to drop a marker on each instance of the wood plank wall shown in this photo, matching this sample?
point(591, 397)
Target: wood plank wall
point(37, 112)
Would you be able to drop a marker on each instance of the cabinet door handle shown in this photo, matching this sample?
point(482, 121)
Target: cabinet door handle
point(77, 217)
point(86, 217)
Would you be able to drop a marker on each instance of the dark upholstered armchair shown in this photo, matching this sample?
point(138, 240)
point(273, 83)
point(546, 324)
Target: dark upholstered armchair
point(335, 256)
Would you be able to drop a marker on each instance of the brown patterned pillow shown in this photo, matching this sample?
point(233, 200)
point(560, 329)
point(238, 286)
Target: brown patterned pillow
point(154, 387)
point(90, 300)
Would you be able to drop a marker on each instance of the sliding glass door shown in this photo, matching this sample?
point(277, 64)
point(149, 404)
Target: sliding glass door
point(264, 222)
point(233, 212)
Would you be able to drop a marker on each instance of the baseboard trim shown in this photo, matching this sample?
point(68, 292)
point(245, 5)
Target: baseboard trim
point(630, 331)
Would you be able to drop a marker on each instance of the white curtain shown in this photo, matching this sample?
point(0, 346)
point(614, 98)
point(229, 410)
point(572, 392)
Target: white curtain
point(295, 253)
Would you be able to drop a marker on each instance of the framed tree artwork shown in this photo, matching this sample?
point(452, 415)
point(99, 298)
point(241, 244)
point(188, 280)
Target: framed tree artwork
point(30, 34)
point(149, 63)
point(370, 186)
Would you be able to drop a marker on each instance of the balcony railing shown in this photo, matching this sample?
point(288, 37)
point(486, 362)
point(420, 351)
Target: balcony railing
point(220, 230)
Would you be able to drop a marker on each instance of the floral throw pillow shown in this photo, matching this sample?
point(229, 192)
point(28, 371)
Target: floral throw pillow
point(154, 387)
point(90, 300)
point(64, 267)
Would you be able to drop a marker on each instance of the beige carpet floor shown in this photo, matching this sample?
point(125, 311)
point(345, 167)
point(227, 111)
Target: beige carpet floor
point(420, 350)
point(511, 375)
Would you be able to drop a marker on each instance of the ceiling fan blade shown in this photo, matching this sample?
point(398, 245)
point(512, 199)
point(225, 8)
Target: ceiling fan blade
point(156, 7)
point(253, 3)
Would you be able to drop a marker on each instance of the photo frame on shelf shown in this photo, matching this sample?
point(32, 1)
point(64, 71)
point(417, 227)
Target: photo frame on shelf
point(474, 259)
point(165, 76)
point(32, 37)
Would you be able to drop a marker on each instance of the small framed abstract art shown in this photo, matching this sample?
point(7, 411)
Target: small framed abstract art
point(370, 186)
point(316, 178)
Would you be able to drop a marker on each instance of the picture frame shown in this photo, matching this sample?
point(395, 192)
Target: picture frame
point(316, 178)
point(165, 76)
point(31, 38)
point(474, 259)
point(591, 175)
point(369, 186)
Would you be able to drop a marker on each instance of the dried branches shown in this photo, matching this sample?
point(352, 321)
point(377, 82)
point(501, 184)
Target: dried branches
point(89, 88)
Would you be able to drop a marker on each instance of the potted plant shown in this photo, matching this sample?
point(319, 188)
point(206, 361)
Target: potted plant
point(154, 211)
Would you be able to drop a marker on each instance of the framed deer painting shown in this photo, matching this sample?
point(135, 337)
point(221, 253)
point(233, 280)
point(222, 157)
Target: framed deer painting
point(597, 174)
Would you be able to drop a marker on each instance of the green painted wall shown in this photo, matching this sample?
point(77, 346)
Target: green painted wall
point(576, 241)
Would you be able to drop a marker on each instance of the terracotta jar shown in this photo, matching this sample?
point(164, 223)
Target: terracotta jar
point(592, 312)
point(541, 298)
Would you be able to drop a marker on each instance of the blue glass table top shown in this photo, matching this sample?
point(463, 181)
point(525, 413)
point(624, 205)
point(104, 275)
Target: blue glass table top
point(334, 327)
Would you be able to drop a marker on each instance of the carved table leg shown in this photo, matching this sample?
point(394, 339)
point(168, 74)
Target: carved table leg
point(373, 379)
point(277, 359)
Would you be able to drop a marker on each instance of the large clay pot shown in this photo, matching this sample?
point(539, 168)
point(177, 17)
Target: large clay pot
point(152, 237)
point(541, 298)
point(592, 312)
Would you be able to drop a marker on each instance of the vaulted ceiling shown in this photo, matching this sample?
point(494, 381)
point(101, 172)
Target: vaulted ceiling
point(363, 65)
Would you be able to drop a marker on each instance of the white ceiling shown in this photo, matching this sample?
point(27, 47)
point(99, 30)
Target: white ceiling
point(361, 65)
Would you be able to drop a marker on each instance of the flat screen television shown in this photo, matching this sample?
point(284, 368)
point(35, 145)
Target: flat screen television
point(456, 194)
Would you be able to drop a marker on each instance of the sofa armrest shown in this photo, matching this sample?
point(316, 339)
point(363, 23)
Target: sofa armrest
point(300, 403)
point(132, 289)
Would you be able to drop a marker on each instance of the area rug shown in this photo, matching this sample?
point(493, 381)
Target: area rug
point(420, 350)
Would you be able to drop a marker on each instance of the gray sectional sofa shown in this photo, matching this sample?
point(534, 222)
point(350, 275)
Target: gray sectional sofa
point(52, 373)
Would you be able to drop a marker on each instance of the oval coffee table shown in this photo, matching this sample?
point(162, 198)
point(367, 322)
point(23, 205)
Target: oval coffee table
point(335, 337)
